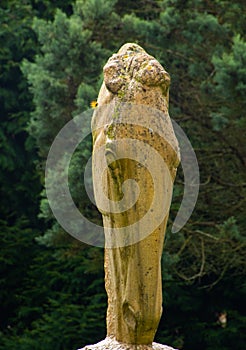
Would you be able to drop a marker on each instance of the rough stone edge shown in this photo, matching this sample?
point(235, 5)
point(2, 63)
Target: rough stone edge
point(112, 344)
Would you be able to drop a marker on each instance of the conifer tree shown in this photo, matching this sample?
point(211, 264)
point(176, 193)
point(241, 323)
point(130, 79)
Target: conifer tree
point(202, 45)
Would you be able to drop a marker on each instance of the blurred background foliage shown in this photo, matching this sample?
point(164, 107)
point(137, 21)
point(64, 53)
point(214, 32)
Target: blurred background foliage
point(52, 53)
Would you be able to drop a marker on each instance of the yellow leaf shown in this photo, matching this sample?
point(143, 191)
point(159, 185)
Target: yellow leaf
point(93, 104)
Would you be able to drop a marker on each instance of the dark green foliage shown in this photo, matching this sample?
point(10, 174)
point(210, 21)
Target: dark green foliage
point(16, 257)
point(52, 288)
point(191, 316)
point(60, 300)
point(18, 41)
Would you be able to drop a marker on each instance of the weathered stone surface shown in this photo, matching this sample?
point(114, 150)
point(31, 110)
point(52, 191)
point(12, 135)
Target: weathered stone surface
point(112, 344)
point(133, 271)
point(133, 76)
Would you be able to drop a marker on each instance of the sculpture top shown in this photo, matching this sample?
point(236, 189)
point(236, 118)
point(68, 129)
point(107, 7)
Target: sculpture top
point(134, 76)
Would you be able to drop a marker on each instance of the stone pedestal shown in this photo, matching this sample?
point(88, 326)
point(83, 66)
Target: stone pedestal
point(112, 344)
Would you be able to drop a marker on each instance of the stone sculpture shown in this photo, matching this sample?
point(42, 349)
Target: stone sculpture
point(133, 105)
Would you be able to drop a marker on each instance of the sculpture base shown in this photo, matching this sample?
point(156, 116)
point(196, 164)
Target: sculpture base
point(112, 344)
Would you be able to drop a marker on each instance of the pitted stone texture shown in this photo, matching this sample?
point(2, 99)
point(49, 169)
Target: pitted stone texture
point(112, 344)
point(134, 76)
